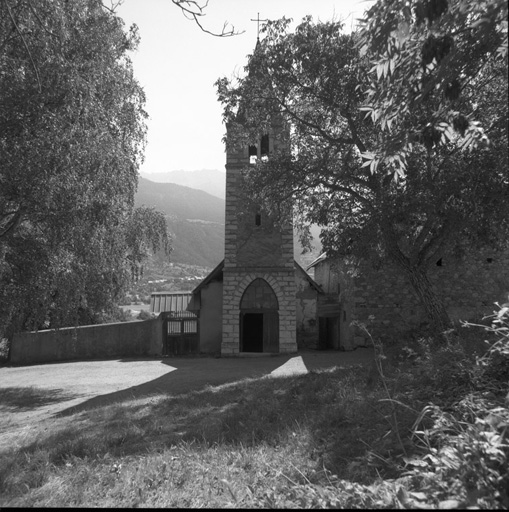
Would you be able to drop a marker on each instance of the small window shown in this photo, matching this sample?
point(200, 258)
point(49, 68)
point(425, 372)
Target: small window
point(258, 219)
point(439, 262)
point(264, 146)
point(253, 154)
point(489, 260)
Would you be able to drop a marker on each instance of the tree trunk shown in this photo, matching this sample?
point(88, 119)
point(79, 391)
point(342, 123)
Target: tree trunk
point(432, 303)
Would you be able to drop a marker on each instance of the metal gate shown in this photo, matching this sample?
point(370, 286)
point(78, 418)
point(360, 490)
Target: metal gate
point(181, 334)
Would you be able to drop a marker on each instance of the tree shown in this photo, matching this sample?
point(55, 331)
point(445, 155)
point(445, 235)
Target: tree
point(146, 232)
point(72, 136)
point(428, 52)
point(316, 80)
point(195, 10)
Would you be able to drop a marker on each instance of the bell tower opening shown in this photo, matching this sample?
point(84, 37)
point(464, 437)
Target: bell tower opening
point(264, 148)
point(253, 154)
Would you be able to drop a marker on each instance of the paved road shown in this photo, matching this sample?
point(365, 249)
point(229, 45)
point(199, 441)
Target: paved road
point(30, 394)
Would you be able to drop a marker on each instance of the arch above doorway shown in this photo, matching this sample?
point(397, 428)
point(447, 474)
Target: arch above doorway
point(259, 295)
point(259, 318)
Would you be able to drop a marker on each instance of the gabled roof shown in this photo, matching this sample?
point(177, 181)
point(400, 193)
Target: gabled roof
point(320, 258)
point(169, 301)
point(311, 281)
point(213, 275)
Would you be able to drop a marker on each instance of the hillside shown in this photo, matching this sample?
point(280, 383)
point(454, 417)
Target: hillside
point(210, 181)
point(195, 219)
point(180, 201)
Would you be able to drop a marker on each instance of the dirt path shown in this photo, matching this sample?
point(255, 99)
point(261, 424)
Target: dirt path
point(31, 394)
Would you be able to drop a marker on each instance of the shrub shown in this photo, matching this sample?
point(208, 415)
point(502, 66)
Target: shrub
point(466, 461)
point(467, 447)
point(495, 364)
point(145, 315)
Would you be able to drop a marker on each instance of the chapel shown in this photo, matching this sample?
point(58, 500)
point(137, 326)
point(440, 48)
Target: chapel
point(258, 299)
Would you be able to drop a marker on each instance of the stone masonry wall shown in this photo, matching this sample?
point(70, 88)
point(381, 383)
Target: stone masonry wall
point(307, 324)
point(127, 339)
point(255, 247)
point(469, 287)
point(234, 284)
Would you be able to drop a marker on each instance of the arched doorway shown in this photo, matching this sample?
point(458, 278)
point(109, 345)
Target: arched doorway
point(259, 318)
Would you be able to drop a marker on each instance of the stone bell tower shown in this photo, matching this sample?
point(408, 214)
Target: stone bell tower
point(259, 301)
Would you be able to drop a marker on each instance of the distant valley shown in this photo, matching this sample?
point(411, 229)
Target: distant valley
point(211, 181)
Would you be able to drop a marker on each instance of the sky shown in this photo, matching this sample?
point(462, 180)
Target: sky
point(177, 64)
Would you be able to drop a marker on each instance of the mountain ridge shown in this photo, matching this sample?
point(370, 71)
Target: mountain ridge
point(211, 181)
point(195, 220)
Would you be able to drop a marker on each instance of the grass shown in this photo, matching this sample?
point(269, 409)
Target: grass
point(221, 446)
point(336, 438)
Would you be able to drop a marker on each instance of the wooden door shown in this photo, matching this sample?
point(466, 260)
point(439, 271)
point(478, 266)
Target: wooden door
point(271, 332)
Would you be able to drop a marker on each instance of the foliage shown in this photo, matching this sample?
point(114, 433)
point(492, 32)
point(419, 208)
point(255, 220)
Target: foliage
point(4, 350)
point(429, 53)
point(145, 315)
point(115, 315)
point(72, 135)
point(463, 432)
point(467, 460)
point(495, 363)
point(316, 80)
point(146, 233)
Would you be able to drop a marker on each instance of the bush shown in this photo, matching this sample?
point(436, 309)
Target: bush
point(496, 362)
point(466, 461)
point(467, 447)
point(116, 315)
point(145, 315)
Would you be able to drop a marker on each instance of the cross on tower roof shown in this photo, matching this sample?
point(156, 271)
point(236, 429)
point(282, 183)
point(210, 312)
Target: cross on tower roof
point(258, 26)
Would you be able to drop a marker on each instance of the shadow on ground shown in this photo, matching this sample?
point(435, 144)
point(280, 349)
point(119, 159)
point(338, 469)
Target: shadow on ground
point(18, 399)
point(186, 375)
point(312, 402)
point(301, 402)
